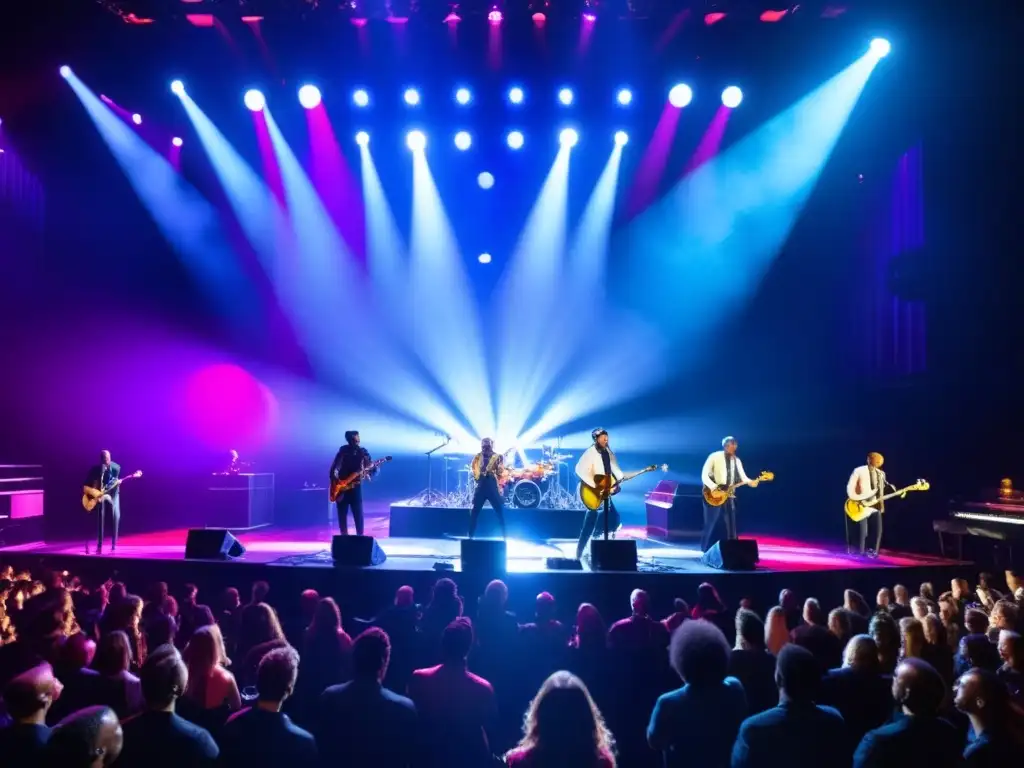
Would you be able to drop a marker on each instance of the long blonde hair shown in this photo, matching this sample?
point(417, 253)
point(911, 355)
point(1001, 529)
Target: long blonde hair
point(204, 653)
point(776, 633)
point(913, 637)
point(563, 726)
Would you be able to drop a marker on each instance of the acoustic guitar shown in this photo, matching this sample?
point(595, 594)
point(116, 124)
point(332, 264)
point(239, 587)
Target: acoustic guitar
point(722, 493)
point(859, 510)
point(606, 486)
point(351, 480)
point(93, 496)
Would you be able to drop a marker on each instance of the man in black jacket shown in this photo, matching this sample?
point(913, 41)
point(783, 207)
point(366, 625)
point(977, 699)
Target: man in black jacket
point(101, 476)
point(351, 457)
point(858, 689)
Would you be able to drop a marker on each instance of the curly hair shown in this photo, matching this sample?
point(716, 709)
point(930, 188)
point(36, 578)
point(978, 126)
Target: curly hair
point(563, 726)
point(699, 653)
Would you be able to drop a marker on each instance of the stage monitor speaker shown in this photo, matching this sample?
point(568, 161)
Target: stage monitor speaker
point(613, 555)
point(212, 544)
point(732, 555)
point(356, 551)
point(486, 556)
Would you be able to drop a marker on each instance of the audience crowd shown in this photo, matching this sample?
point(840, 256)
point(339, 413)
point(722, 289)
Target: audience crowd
point(93, 675)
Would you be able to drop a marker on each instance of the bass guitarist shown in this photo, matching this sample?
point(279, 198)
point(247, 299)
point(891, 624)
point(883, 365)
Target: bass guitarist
point(598, 459)
point(351, 458)
point(723, 469)
point(100, 476)
point(867, 483)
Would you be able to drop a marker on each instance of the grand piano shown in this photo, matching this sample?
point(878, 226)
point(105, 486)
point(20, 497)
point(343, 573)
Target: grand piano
point(998, 517)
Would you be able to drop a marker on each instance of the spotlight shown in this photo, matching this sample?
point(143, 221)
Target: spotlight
point(416, 140)
point(65, 71)
point(463, 140)
point(515, 139)
point(485, 180)
point(463, 96)
point(484, 258)
point(176, 141)
point(515, 95)
point(621, 138)
point(880, 47)
point(255, 100)
point(625, 97)
point(680, 96)
point(177, 88)
point(565, 96)
point(732, 96)
point(362, 138)
point(412, 97)
point(137, 118)
point(309, 96)
point(360, 98)
point(495, 16)
point(568, 137)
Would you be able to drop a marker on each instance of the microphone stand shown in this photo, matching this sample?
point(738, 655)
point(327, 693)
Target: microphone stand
point(428, 496)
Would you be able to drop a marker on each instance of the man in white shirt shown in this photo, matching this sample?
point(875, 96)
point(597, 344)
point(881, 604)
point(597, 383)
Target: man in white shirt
point(721, 470)
point(598, 459)
point(866, 483)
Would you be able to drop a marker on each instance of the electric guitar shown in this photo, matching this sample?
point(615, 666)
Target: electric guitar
point(606, 486)
point(722, 493)
point(859, 510)
point(351, 480)
point(93, 496)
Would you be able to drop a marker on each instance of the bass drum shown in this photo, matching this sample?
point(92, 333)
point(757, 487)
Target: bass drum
point(526, 494)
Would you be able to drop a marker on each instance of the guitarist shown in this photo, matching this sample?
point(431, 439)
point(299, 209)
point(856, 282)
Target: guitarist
point(99, 477)
point(598, 459)
point(487, 467)
point(868, 483)
point(351, 457)
point(722, 469)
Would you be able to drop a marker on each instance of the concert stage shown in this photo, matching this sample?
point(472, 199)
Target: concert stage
point(299, 558)
point(414, 520)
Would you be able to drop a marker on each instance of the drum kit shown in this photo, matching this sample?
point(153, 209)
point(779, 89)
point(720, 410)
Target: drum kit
point(535, 484)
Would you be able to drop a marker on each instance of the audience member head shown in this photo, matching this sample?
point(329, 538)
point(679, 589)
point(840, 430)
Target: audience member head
point(901, 594)
point(977, 651)
point(260, 624)
point(1005, 615)
point(169, 606)
point(919, 607)
point(948, 612)
point(797, 674)
point(495, 595)
point(546, 607)
point(839, 623)
point(699, 653)
point(750, 634)
point(591, 631)
point(788, 600)
point(190, 595)
point(156, 593)
point(445, 599)
point(371, 653)
point(28, 696)
point(77, 652)
point(563, 726)
point(854, 602)
point(912, 638)
point(276, 676)
point(405, 597)
point(308, 601)
point(884, 598)
point(776, 632)
point(934, 630)
point(1014, 580)
point(708, 599)
point(1011, 649)
point(975, 621)
point(456, 641)
point(326, 619)
point(680, 613)
point(161, 630)
point(640, 602)
point(113, 655)
point(205, 652)
point(231, 599)
point(164, 678)
point(959, 589)
point(918, 688)
point(88, 738)
point(813, 614)
point(927, 591)
point(118, 592)
point(259, 592)
point(983, 697)
point(861, 653)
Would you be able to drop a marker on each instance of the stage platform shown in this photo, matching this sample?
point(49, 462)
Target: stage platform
point(413, 520)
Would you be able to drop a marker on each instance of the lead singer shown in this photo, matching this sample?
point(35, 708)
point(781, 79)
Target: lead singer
point(598, 459)
point(487, 468)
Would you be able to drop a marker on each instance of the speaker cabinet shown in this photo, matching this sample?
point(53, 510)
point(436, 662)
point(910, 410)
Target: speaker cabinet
point(212, 544)
point(356, 551)
point(613, 555)
point(484, 556)
point(732, 555)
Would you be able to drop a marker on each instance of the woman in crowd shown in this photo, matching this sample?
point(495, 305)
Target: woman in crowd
point(326, 654)
point(937, 651)
point(912, 639)
point(118, 688)
point(212, 692)
point(126, 616)
point(886, 633)
point(259, 634)
point(776, 632)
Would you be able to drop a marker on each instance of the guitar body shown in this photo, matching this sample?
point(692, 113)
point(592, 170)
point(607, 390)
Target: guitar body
point(593, 498)
point(91, 498)
point(344, 484)
point(858, 510)
point(715, 498)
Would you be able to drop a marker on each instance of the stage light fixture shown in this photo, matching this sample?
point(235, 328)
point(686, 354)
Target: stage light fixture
point(254, 100)
point(625, 97)
point(568, 137)
point(309, 96)
point(65, 71)
point(412, 97)
point(463, 96)
point(484, 258)
point(362, 138)
point(137, 118)
point(515, 139)
point(463, 140)
point(416, 140)
point(565, 96)
point(680, 95)
point(177, 88)
point(516, 95)
point(176, 141)
point(880, 47)
point(732, 97)
point(485, 180)
point(495, 16)
point(360, 98)
point(621, 138)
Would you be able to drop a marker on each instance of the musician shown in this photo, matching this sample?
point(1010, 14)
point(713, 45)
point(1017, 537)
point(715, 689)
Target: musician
point(867, 483)
point(722, 469)
point(487, 467)
point(351, 457)
point(101, 476)
point(598, 459)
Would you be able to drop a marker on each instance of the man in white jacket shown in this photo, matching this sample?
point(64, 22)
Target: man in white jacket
point(722, 469)
point(598, 459)
point(867, 483)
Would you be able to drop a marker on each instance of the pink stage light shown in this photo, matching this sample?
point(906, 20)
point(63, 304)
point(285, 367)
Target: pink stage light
point(539, 18)
point(495, 17)
point(200, 19)
point(176, 141)
point(770, 17)
point(252, 19)
point(452, 18)
point(137, 118)
point(590, 18)
point(713, 18)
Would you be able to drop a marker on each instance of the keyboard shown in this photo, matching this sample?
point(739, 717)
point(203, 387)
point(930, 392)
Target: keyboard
point(990, 519)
